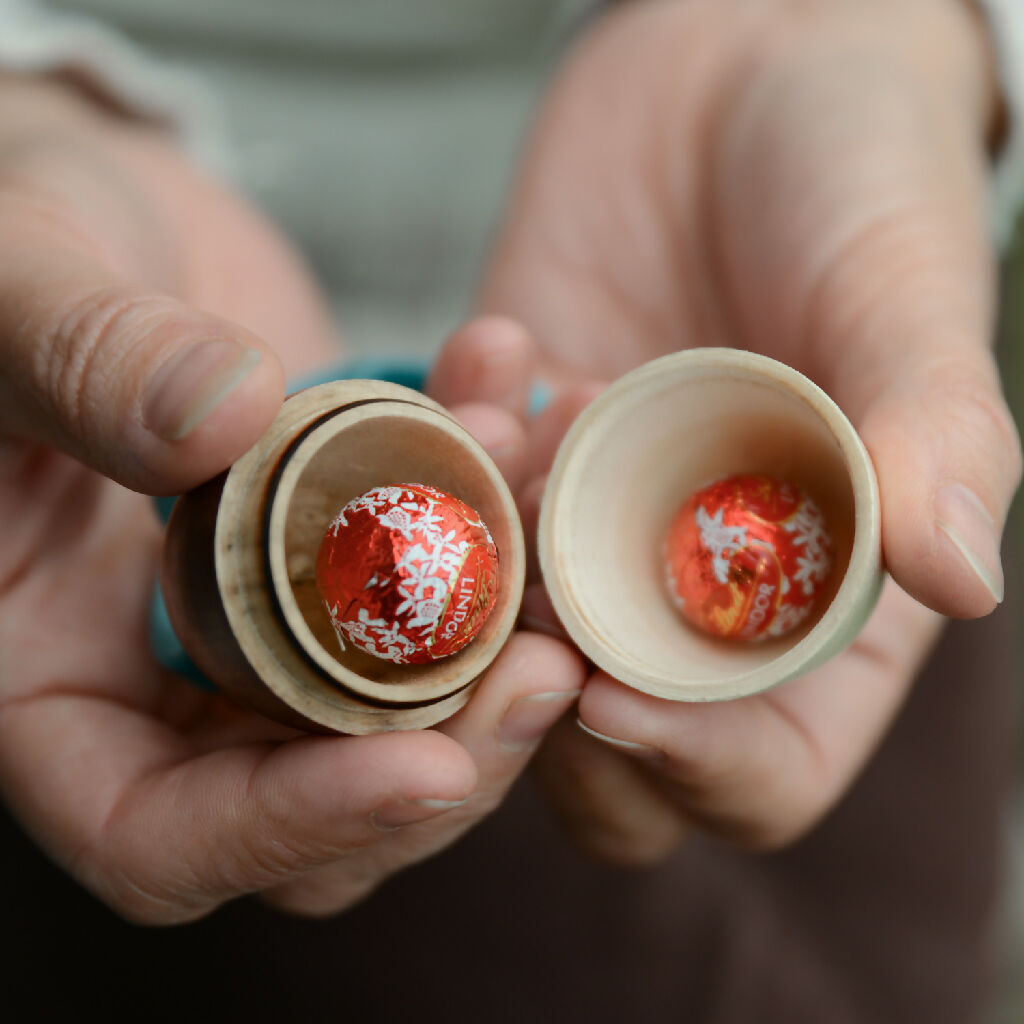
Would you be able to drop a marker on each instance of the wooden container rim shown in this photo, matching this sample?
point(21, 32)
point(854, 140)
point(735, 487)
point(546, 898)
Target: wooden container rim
point(855, 596)
point(473, 659)
point(286, 670)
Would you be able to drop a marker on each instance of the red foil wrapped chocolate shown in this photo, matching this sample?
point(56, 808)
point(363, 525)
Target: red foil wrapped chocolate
point(408, 573)
point(748, 558)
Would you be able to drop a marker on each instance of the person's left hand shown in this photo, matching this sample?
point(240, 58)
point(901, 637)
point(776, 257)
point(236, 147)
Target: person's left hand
point(807, 181)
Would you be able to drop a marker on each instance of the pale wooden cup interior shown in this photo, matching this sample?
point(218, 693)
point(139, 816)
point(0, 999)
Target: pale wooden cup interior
point(631, 460)
point(360, 448)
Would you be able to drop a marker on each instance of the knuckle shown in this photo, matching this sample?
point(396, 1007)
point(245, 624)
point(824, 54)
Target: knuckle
point(312, 899)
point(90, 341)
point(41, 216)
point(626, 847)
point(143, 901)
point(308, 907)
point(107, 866)
point(265, 861)
point(270, 859)
point(482, 804)
point(772, 825)
point(766, 834)
point(784, 812)
point(767, 811)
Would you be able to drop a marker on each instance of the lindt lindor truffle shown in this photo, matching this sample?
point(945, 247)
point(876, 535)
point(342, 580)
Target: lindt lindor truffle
point(748, 557)
point(408, 573)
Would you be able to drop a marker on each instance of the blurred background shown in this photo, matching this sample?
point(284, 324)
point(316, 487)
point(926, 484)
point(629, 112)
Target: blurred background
point(1010, 1008)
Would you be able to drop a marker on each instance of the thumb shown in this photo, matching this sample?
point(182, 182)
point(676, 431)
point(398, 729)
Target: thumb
point(146, 390)
point(885, 294)
point(948, 462)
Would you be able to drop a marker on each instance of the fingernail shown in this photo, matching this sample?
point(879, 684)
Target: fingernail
point(963, 518)
point(641, 749)
point(528, 718)
point(192, 383)
point(409, 812)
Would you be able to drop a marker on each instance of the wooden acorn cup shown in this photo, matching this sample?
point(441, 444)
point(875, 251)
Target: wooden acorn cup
point(629, 462)
point(238, 570)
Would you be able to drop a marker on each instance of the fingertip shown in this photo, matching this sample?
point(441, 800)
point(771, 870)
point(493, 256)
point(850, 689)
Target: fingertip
point(636, 723)
point(359, 774)
point(948, 465)
point(444, 771)
point(940, 547)
point(500, 433)
point(969, 527)
point(202, 409)
point(937, 568)
point(533, 681)
point(607, 711)
point(496, 335)
point(604, 698)
point(145, 389)
point(531, 664)
point(548, 663)
point(490, 359)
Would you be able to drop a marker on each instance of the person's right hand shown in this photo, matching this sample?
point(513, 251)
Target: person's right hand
point(130, 291)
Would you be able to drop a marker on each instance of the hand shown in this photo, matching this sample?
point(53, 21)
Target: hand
point(130, 291)
point(806, 181)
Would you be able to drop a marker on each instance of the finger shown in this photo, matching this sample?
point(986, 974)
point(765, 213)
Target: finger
point(500, 433)
point(609, 805)
point(885, 292)
point(532, 683)
point(153, 393)
point(588, 255)
point(948, 461)
point(489, 360)
point(546, 430)
point(163, 836)
point(762, 770)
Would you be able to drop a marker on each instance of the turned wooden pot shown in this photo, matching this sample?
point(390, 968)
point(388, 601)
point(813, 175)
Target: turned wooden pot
point(629, 462)
point(240, 552)
point(238, 568)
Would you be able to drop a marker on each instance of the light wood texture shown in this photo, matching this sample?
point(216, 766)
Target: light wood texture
point(238, 568)
point(629, 462)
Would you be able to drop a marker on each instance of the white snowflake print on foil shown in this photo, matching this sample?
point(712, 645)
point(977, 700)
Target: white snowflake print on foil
point(808, 524)
point(378, 637)
point(387, 498)
point(431, 567)
point(788, 617)
point(671, 584)
point(722, 541)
